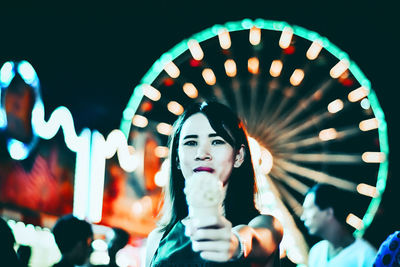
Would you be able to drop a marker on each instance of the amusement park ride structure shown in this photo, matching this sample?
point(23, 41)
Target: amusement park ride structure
point(310, 111)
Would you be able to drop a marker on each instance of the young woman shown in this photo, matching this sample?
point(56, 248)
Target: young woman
point(209, 137)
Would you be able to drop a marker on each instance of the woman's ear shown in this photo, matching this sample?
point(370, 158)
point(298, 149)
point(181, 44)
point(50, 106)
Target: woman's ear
point(239, 158)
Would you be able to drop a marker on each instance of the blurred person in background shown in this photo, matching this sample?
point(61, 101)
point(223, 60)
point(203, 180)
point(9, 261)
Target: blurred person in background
point(116, 240)
point(24, 253)
point(8, 256)
point(325, 210)
point(74, 238)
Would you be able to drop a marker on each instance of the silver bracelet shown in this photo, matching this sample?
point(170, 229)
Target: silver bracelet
point(241, 246)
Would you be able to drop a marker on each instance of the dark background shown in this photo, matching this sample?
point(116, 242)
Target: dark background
point(89, 56)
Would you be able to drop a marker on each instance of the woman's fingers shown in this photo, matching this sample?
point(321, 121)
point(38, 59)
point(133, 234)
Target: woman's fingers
point(216, 246)
point(211, 234)
point(204, 222)
point(215, 256)
point(210, 221)
point(213, 250)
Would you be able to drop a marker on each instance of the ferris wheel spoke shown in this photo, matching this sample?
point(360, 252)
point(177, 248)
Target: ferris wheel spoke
point(238, 99)
point(253, 100)
point(279, 173)
point(289, 131)
point(263, 116)
point(289, 199)
point(332, 136)
point(333, 158)
point(283, 135)
point(317, 176)
point(304, 104)
point(282, 104)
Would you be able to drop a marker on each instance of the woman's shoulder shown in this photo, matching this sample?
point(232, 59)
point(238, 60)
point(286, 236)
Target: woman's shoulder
point(153, 239)
point(156, 231)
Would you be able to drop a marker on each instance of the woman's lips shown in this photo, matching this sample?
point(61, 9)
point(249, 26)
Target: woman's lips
point(204, 169)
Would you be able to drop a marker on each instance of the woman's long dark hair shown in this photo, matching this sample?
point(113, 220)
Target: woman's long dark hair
point(239, 200)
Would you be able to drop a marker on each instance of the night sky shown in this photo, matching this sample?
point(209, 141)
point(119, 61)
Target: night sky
point(90, 56)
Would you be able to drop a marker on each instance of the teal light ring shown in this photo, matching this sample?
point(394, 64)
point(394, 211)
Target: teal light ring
point(245, 24)
point(131, 109)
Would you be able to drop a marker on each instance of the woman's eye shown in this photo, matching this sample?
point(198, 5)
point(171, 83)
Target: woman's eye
point(190, 143)
point(218, 142)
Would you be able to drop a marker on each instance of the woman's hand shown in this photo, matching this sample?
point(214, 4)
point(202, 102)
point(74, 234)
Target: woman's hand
point(213, 238)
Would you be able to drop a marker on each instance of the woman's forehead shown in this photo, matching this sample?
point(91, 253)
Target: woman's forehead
point(196, 124)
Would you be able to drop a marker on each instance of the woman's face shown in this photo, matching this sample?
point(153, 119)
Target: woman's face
point(200, 149)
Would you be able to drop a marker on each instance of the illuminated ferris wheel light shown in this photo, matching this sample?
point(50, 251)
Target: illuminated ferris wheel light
point(230, 68)
point(373, 157)
point(255, 36)
point(358, 94)
point(314, 50)
point(335, 106)
point(151, 92)
point(195, 49)
point(224, 39)
point(172, 70)
point(190, 90)
point(161, 177)
point(354, 221)
point(276, 68)
point(370, 124)
point(209, 76)
point(253, 65)
point(367, 190)
point(286, 37)
point(131, 150)
point(161, 152)
point(139, 121)
point(339, 68)
point(365, 103)
point(164, 128)
point(297, 77)
point(328, 134)
point(175, 108)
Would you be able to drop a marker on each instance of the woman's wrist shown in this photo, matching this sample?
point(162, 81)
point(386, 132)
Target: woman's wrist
point(241, 247)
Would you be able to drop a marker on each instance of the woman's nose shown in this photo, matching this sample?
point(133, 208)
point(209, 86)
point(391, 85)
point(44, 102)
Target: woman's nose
point(203, 152)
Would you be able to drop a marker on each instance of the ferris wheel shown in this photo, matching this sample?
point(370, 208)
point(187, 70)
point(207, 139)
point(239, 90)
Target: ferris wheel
point(309, 109)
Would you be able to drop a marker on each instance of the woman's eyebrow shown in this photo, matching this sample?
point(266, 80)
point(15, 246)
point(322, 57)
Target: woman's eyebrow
point(214, 135)
point(190, 136)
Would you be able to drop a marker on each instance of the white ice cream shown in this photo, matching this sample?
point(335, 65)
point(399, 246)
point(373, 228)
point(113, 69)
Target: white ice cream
point(204, 195)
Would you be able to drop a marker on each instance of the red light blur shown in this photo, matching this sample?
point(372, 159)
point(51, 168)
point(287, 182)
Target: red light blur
point(168, 82)
point(290, 50)
point(146, 106)
point(194, 63)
